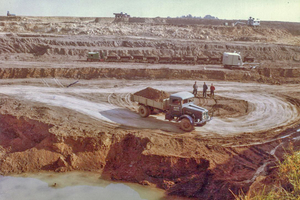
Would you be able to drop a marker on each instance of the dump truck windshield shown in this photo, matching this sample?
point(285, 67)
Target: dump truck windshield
point(188, 100)
point(176, 101)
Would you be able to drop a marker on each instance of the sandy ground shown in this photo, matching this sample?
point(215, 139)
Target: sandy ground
point(93, 126)
point(267, 109)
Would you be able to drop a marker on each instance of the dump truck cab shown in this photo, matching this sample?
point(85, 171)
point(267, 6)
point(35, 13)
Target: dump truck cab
point(183, 109)
point(232, 60)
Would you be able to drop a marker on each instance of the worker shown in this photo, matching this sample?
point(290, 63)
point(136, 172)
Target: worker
point(204, 89)
point(195, 87)
point(212, 91)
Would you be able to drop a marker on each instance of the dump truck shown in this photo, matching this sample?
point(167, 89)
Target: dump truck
point(230, 60)
point(94, 56)
point(179, 107)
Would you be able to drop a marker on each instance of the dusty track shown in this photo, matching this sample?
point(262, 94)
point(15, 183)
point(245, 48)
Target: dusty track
point(267, 109)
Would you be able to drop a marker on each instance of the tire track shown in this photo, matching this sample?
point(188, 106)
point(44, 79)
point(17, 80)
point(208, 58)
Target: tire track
point(266, 110)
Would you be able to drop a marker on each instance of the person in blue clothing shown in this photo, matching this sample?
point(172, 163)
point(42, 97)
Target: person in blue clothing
point(204, 89)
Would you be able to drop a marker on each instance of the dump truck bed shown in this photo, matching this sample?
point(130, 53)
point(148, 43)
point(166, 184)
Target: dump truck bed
point(151, 103)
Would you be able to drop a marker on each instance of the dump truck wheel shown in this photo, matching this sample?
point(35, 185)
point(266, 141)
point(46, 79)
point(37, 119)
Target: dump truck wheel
point(144, 111)
point(186, 125)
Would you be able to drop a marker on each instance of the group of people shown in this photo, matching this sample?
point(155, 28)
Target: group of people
point(205, 88)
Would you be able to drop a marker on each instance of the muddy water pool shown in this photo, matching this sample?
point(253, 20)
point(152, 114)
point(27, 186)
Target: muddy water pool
point(73, 186)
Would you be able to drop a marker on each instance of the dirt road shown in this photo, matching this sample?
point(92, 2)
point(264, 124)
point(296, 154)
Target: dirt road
point(267, 108)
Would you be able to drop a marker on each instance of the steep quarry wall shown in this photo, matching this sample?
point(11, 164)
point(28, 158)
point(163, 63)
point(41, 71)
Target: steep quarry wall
point(264, 74)
point(46, 45)
point(182, 166)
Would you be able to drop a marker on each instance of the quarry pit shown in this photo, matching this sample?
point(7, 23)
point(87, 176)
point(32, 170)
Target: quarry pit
point(60, 113)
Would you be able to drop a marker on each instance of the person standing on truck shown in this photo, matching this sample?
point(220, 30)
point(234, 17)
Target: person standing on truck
point(212, 91)
point(195, 87)
point(204, 89)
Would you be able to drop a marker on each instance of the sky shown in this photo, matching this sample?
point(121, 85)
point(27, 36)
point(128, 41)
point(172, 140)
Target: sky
point(265, 10)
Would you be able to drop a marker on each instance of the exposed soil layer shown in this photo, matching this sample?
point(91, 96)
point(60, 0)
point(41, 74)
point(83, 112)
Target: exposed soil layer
point(261, 75)
point(190, 166)
point(61, 113)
